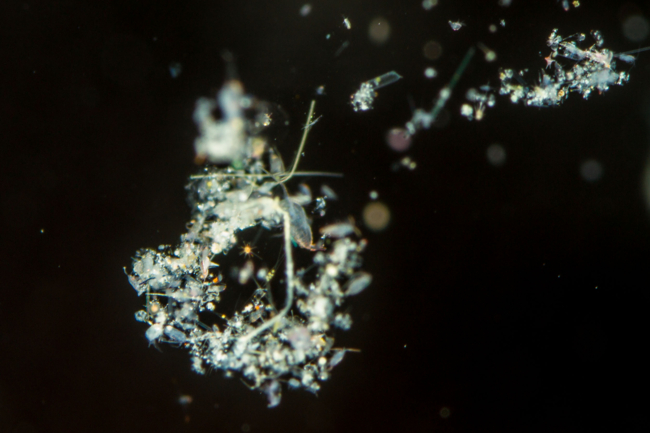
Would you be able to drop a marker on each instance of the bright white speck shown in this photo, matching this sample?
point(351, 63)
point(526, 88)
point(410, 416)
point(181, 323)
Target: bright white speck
point(430, 72)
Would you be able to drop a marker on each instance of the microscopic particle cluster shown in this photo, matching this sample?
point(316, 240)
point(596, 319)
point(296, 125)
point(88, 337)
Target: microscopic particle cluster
point(593, 68)
point(183, 286)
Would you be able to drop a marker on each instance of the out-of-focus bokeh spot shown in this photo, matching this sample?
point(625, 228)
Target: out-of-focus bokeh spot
point(379, 30)
point(376, 216)
point(398, 139)
point(591, 170)
point(496, 154)
point(432, 50)
point(636, 28)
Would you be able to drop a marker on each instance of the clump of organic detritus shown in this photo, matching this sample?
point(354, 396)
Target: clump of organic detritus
point(183, 286)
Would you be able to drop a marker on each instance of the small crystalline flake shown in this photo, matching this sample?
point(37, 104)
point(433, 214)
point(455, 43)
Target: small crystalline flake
point(264, 343)
point(456, 25)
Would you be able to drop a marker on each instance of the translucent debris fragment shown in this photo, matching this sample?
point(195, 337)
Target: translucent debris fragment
point(265, 344)
point(592, 69)
point(338, 230)
point(429, 4)
point(365, 96)
point(384, 80)
point(358, 283)
point(456, 25)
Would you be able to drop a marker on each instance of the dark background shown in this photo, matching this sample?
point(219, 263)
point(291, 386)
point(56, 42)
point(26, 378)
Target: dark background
point(514, 297)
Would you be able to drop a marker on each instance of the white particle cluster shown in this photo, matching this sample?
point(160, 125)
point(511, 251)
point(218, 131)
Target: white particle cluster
point(593, 68)
point(365, 96)
point(263, 343)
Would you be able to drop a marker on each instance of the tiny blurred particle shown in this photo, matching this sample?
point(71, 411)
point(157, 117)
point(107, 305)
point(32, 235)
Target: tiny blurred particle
point(492, 28)
point(175, 69)
point(496, 155)
point(379, 30)
point(42, 230)
point(408, 163)
point(184, 400)
point(327, 36)
point(430, 72)
point(466, 110)
point(591, 170)
point(376, 216)
point(445, 412)
point(432, 50)
point(456, 25)
point(505, 3)
point(245, 428)
point(502, 23)
point(490, 55)
point(398, 139)
point(328, 192)
point(636, 28)
point(320, 90)
point(347, 23)
point(342, 48)
point(374, 195)
point(305, 9)
point(429, 4)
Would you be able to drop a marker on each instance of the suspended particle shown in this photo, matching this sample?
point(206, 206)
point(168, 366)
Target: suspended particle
point(466, 110)
point(376, 216)
point(496, 155)
point(430, 72)
point(175, 69)
point(492, 28)
point(398, 139)
point(347, 23)
point(432, 50)
point(456, 25)
point(490, 55)
point(374, 195)
point(505, 3)
point(305, 10)
point(502, 23)
point(337, 230)
point(636, 28)
point(591, 170)
point(357, 283)
point(429, 4)
point(365, 96)
point(379, 30)
point(328, 192)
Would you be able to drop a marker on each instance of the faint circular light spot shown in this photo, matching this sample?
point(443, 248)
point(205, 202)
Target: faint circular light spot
point(245, 428)
point(376, 216)
point(636, 28)
point(398, 139)
point(432, 50)
point(305, 9)
point(496, 155)
point(492, 28)
point(429, 4)
point(445, 412)
point(374, 195)
point(430, 72)
point(379, 30)
point(591, 170)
